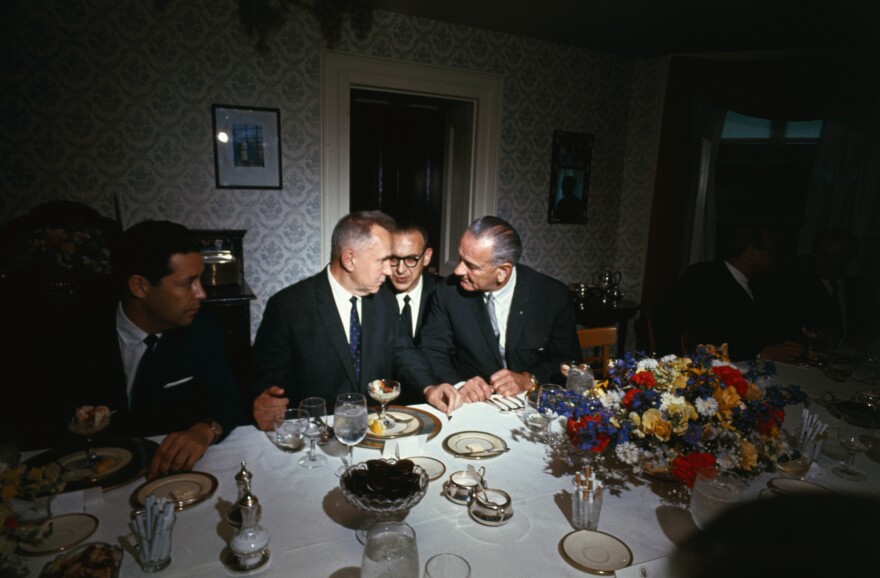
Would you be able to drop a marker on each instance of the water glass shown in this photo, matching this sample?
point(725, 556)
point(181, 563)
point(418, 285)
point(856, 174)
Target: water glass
point(316, 408)
point(350, 424)
point(855, 432)
point(447, 566)
point(290, 426)
point(390, 551)
point(580, 378)
point(713, 492)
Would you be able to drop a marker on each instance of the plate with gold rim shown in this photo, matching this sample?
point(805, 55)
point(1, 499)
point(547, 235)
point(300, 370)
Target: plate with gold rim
point(474, 445)
point(68, 530)
point(595, 552)
point(425, 423)
point(184, 490)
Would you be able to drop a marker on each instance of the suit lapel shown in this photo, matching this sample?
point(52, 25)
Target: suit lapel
point(478, 301)
point(329, 316)
point(518, 307)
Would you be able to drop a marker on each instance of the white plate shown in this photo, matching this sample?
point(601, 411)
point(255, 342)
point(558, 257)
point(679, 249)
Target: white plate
point(67, 531)
point(474, 445)
point(185, 489)
point(792, 486)
point(434, 468)
point(595, 552)
point(74, 470)
point(404, 425)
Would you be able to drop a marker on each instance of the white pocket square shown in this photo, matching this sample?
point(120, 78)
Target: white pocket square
point(178, 382)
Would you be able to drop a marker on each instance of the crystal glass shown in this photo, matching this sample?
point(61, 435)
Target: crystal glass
point(540, 407)
point(87, 421)
point(290, 426)
point(856, 433)
point(349, 423)
point(384, 391)
point(580, 378)
point(713, 492)
point(447, 566)
point(316, 408)
point(390, 550)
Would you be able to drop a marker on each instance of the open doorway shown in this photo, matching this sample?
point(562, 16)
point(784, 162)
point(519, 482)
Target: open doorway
point(401, 161)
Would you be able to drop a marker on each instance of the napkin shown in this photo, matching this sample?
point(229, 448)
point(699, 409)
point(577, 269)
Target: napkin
point(405, 447)
point(76, 502)
point(656, 568)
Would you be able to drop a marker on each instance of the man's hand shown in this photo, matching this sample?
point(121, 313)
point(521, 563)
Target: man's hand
point(787, 351)
point(475, 389)
point(444, 397)
point(181, 450)
point(506, 382)
point(267, 405)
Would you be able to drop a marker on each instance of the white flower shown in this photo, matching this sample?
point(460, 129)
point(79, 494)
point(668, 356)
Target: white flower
point(726, 461)
point(722, 363)
point(628, 453)
point(706, 407)
point(667, 359)
point(647, 365)
point(611, 399)
point(668, 399)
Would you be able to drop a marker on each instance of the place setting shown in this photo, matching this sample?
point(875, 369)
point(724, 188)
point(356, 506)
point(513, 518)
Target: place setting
point(475, 445)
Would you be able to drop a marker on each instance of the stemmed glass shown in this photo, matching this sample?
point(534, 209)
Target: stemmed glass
point(855, 432)
point(713, 492)
point(384, 391)
point(350, 423)
point(316, 408)
point(88, 421)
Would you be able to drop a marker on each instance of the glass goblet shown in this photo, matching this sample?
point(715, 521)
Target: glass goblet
point(314, 431)
point(384, 391)
point(350, 423)
point(855, 432)
point(713, 492)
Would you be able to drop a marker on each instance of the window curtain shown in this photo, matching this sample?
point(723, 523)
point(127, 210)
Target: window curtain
point(802, 87)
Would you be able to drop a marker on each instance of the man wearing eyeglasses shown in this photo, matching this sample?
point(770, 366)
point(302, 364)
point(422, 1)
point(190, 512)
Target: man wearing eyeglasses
point(412, 285)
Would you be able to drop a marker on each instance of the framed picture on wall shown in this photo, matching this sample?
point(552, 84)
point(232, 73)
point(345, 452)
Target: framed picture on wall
point(247, 147)
point(569, 177)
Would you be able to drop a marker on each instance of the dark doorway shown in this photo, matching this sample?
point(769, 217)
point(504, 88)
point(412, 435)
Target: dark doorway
point(397, 156)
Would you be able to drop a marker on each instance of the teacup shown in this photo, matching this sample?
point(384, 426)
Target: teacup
point(461, 486)
point(491, 507)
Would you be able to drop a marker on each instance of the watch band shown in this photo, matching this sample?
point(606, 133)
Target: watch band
point(215, 429)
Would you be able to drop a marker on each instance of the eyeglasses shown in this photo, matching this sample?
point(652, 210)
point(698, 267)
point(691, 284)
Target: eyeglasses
point(410, 261)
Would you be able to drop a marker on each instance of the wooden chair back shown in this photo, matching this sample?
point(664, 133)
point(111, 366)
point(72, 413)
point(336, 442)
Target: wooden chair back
point(596, 343)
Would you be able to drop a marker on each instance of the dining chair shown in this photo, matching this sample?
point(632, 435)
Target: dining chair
point(596, 345)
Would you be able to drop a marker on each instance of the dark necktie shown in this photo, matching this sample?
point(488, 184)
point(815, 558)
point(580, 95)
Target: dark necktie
point(141, 375)
point(490, 309)
point(354, 339)
point(406, 315)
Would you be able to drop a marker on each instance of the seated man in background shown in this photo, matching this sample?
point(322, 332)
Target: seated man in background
point(333, 332)
point(497, 326)
point(156, 360)
point(830, 304)
point(729, 301)
point(412, 285)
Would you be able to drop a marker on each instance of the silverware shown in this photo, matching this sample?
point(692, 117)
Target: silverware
point(497, 405)
point(488, 452)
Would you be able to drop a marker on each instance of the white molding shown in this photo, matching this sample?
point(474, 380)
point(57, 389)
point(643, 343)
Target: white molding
point(341, 72)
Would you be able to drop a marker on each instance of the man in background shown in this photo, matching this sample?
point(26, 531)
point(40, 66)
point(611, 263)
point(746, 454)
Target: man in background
point(495, 326)
point(413, 286)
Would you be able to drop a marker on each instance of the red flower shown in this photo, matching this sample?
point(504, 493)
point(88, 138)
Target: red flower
point(628, 398)
point(644, 379)
point(11, 522)
point(732, 377)
point(770, 419)
point(685, 467)
point(582, 433)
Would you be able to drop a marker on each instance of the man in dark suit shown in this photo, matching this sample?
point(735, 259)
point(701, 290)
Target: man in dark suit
point(307, 343)
point(494, 327)
point(412, 285)
point(729, 301)
point(163, 367)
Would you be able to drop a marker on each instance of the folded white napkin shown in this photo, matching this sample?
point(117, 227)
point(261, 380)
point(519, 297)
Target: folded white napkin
point(76, 502)
point(405, 447)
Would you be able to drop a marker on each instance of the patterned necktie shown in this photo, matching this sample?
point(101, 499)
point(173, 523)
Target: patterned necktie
point(142, 373)
point(490, 309)
point(406, 315)
point(354, 339)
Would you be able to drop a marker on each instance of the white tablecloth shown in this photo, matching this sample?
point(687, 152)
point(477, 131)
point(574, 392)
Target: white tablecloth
point(312, 527)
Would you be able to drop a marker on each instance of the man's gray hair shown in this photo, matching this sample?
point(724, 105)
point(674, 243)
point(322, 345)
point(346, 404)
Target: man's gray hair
point(354, 228)
point(506, 244)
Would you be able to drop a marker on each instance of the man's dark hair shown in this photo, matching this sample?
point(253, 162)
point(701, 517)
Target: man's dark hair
point(506, 244)
point(842, 235)
point(146, 248)
point(413, 227)
point(741, 237)
point(355, 228)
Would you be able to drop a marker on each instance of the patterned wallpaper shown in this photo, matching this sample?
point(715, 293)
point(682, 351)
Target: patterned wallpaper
point(113, 97)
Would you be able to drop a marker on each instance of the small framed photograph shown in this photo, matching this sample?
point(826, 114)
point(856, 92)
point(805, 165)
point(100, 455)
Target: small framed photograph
point(569, 177)
point(247, 147)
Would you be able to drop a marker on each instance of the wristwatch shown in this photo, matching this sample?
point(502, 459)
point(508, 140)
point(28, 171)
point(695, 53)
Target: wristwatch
point(534, 381)
point(215, 429)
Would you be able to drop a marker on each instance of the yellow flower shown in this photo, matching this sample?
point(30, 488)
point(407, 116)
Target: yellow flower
point(727, 398)
point(653, 423)
point(748, 456)
point(680, 415)
point(754, 392)
point(8, 491)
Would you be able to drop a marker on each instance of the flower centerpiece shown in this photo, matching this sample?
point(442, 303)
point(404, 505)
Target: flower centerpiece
point(18, 486)
point(679, 414)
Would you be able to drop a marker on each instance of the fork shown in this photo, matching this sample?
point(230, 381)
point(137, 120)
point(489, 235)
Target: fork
point(498, 405)
point(511, 403)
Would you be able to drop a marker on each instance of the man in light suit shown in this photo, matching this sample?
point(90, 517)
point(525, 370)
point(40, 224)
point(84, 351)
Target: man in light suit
point(163, 367)
point(531, 335)
point(304, 345)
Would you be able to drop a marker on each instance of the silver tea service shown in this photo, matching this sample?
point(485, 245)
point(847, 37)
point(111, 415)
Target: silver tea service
point(461, 486)
point(491, 507)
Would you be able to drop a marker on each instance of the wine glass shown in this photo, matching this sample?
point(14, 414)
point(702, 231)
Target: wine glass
point(316, 408)
point(855, 432)
point(384, 391)
point(713, 492)
point(349, 423)
point(290, 426)
point(87, 421)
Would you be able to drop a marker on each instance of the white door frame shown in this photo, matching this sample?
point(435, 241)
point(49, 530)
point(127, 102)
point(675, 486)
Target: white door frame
point(341, 72)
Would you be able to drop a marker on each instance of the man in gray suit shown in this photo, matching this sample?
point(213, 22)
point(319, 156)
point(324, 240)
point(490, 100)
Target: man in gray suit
point(333, 332)
point(499, 327)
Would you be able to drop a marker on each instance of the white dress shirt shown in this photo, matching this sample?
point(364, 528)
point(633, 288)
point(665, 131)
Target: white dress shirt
point(741, 279)
point(503, 298)
point(343, 304)
point(415, 301)
point(131, 346)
